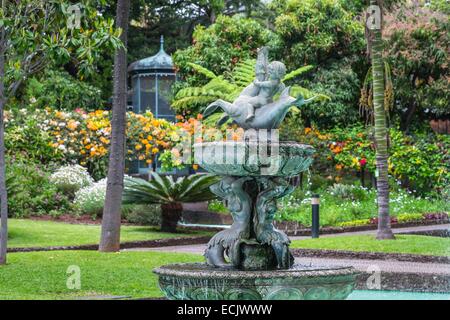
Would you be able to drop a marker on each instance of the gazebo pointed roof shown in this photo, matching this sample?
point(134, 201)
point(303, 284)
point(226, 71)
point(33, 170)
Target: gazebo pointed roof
point(161, 61)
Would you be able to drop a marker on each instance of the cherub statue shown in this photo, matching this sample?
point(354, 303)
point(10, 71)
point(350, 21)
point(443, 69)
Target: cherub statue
point(267, 88)
point(255, 108)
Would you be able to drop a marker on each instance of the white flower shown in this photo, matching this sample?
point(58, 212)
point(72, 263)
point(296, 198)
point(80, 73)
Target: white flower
point(91, 199)
point(71, 178)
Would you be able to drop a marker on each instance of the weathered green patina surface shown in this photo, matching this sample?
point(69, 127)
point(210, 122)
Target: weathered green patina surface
point(251, 259)
point(200, 282)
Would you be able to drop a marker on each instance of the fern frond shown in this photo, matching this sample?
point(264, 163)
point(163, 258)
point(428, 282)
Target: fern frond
point(307, 94)
point(189, 102)
point(220, 84)
point(244, 73)
point(297, 72)
point(202, 70)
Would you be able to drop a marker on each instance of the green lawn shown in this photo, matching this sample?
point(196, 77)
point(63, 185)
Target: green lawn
point(31, 233)
point(43, 275)
point(403, 244)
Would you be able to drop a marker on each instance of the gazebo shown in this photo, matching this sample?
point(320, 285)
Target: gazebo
point(151, 82)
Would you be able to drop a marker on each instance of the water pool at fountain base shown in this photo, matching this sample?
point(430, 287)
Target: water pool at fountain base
point(201, 282)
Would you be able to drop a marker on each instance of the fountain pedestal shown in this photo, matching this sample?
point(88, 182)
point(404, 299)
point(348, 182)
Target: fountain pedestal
point(251, 260)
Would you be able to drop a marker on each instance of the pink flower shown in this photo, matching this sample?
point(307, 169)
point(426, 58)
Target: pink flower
point(363, 162)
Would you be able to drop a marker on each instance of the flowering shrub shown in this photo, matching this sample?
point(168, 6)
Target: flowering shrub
point(71, 178)
point(90, 200)
point(419, 163)
point(30, 191)
point(401, 218)
point(84, 138)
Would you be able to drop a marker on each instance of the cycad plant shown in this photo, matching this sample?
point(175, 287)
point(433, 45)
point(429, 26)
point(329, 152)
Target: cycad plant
point(169, 193)
point(230, 86)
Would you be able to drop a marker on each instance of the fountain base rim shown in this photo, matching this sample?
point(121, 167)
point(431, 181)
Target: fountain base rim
point(203, 271)
point(197, 281)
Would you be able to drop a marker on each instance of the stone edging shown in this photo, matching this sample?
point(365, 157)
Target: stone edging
point(294, 229)
point(342, 254)
point(125, 245)
point(406, 281)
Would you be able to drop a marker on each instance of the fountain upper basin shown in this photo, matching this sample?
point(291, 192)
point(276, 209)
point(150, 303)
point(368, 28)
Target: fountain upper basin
point(252, 158)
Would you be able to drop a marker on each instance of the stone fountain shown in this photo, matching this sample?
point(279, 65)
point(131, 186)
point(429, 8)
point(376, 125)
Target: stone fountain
point(251, 260)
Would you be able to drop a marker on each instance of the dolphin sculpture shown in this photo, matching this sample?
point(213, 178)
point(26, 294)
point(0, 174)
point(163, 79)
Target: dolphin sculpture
point(268, 116)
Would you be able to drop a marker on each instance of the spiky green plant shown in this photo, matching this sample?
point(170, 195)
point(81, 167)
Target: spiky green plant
point(169, 193)
point(229, 87)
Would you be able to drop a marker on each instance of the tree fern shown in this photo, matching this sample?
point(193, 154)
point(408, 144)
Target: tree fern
point(228, 88)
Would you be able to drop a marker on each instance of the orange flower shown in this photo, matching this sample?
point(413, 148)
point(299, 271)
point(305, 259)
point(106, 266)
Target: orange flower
point(195, 167)
point(307, 130)
point(72, 125)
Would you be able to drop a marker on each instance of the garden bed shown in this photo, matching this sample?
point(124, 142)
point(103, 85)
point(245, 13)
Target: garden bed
point(124, 245)
point(293, 228)
point(346, 254)
point(368, 247)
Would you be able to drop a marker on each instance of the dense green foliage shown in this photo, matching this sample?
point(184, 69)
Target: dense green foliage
point(417, 48)
point(221, 46)
point(313, 31)
point(344, 203)
point(338, 81)
point(32, 193)
point(59, 90)
point(40, 35)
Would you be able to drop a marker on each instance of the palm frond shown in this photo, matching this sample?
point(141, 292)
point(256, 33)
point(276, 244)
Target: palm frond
point(164, 190)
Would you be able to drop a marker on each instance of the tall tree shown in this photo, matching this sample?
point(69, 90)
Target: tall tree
point(381, 132)
point(3, 193)
point(34, 33)
point(110, 237)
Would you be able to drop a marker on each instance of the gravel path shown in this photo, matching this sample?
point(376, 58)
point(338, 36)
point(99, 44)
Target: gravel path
point(359, 264)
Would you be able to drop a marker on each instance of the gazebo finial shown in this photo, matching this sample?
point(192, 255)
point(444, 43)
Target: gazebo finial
point(162, 43)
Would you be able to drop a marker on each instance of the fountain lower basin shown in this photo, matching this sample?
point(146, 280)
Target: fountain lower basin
point(202, 282)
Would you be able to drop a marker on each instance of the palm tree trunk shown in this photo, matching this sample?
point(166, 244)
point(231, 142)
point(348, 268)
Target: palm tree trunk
point(384, 221)
point(110, 237)
point(170, 214)
point(3, 193)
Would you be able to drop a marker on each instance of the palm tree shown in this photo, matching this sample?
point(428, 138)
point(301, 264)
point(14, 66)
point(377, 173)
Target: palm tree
point(381, 132)
point(170, 194)
point(110, 237)
point(3, 191)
